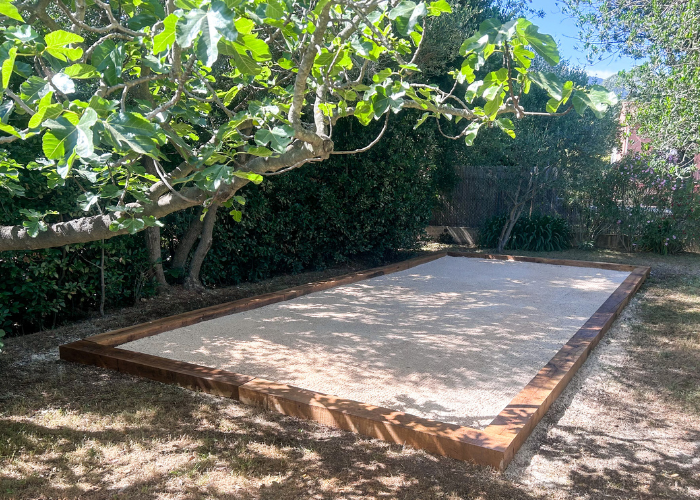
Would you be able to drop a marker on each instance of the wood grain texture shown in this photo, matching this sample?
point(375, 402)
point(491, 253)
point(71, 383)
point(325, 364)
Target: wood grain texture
point(494, 446)
point(541, 260)
point(455, 441)
point(519, 418)
point(210, 380)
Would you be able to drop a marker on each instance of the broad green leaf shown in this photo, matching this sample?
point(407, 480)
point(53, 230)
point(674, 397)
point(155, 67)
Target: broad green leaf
point(59, 143)
point(251, 176)
point(9, 10)
point(108, 57)
point(421, 120)
point(364, 112)
point(598, 99)
point(81, 71)
point(41, 108)
point(237, 215)
point(165, 39)
point(24, 33)
point(439, 7)
point(543, 44)
point(471, 132)
point(474, 43)
point(84, 144)
point(34, 227)
point(87, 200)
point(33, 89)
point(492, 106)
point(133, 132)
point(406, 15)
point(245, 64)
point(258, 49)
point(382, 75)
point(57, 45)
point(278, 138)
point(7, 67)
point(549, 82)
point(523, 56)
point(506, 124)
point(189, 26)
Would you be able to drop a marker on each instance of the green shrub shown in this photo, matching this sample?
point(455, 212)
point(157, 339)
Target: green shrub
point(43, 288)
point(368, 205)
point(539, 233)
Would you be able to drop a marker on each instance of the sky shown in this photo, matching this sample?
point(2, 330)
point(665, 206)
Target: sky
point(563, 29)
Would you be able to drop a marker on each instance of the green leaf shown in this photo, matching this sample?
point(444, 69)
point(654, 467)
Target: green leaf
point(57, 45)
point(382, 75)
point(165, 39)
point(41, 108)
point(439, 7)
point(81, 71)
point(407, 14)
point(87, 200)
point(471, 132)
point(189, 26)
point(506, 124)
point(245, 64)
point(278, 138)
point(543, 44)
point(364, 112)
point(258, 151)
point(237, 215)
point(133, 132)
point(84, 144)
point(34, 227)
point(251, 176)
point(421, 120)
point(108, 57)
point(598, 99)
point(7, 67)
point(59, 143)
point(9, 10)
point(549, 82)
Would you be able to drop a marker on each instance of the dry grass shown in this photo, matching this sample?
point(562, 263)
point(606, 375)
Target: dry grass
point(627, 427)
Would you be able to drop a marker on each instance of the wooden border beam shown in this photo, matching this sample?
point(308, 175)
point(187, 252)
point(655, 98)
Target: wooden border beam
point(493, 446)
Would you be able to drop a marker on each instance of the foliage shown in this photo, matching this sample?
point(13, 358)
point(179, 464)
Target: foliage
point(666, 86)
point(651, 201)
point(368, 206)
point(43, 288)
point(537, 233)
point(152, 109)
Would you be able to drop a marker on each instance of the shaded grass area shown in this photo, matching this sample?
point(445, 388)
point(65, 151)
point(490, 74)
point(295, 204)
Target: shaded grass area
point(71, 431)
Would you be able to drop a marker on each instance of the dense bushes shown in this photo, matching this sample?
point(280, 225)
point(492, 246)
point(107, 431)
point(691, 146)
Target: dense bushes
point(369, 204)
point(651, 201)
point(538, 233)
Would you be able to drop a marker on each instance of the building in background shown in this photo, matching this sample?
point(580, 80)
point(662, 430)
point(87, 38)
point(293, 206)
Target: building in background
point(631, 142)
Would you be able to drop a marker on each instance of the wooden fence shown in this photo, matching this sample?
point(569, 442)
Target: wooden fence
point(482, 193)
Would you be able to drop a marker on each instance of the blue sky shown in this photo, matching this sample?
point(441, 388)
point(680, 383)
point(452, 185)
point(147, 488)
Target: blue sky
point(565, 32)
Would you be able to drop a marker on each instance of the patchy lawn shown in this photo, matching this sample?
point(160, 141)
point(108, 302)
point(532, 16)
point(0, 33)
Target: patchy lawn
point(628, 426)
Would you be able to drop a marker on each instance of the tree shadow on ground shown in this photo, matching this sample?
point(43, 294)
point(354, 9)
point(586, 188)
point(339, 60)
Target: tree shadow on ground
point(644, 440)
point(72, 431)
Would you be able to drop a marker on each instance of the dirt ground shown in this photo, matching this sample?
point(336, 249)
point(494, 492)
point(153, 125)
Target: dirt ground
point(628, 425)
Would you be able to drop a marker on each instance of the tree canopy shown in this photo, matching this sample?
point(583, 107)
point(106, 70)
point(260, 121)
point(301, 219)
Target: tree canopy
point(152, 108)
point(665, 36)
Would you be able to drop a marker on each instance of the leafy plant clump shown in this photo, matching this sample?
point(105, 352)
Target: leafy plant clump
point(537, 233)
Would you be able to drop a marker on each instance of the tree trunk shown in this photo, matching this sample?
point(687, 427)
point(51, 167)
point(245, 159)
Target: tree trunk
point(192, 281)
point(182, 251)
point(508, 228)
point(155, 257)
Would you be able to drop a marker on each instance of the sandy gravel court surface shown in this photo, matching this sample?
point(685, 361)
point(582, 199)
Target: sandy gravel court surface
point(452, 340)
